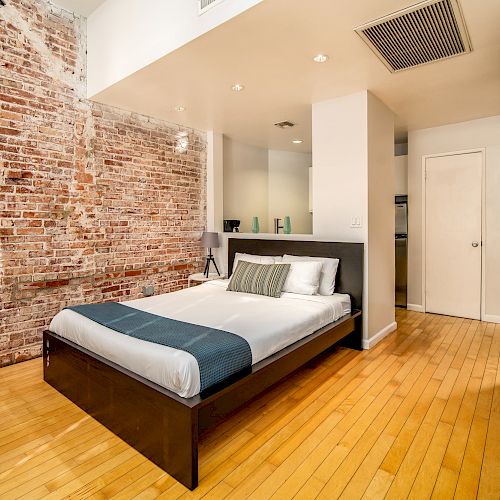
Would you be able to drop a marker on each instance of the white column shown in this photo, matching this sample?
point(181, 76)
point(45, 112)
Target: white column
point(381, 189)
point(340, 167)
point(215, 190)
point(353, 187)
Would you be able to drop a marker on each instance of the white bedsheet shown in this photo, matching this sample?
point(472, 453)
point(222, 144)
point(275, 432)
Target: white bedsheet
point(267, 324)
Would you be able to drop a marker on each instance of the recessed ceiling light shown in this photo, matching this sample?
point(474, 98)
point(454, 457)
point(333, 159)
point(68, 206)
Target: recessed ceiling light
point(180, 108)
point(297, 141)
point(237, 87)
point(320, 58)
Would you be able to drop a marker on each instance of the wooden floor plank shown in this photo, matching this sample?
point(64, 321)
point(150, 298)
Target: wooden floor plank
point(358, 479)
point(459, 412)
point(490, 471)
point(367, 472)
point(429, 470)
point(420, 442)
point(417, 415)
point(470, 472)
point(265, 444)
point(246, 488)
point(120, 475)
point(331, 441)
point(405, 437)
point(407, 419)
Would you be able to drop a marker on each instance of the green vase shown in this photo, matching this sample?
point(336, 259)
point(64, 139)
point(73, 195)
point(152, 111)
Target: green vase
point(255, 225)
point(287, 226)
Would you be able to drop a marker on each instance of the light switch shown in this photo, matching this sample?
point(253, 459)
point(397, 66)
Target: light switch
point(356, 221)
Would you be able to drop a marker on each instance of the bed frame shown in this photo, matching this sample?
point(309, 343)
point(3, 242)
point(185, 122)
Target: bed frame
point(165, 427)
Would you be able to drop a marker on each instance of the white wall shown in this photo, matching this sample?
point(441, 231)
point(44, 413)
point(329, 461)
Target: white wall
point(353, 176)
point(482, 133)
point(401, 174)
point(267, 184)
point(340, 158)
point(246, 186)
point(215, 181)
point(380, 216)
point(289, 189)
point(215, 191)
point(124, 36)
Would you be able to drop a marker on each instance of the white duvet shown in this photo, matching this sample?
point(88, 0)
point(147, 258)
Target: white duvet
point(267, 324)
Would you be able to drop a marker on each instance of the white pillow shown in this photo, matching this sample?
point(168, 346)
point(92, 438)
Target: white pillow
point(256, 259)
point(303, 277)
point(328, 272)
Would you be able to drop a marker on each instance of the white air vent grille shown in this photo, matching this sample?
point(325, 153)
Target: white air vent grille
point(204, 5)
point(424, 33)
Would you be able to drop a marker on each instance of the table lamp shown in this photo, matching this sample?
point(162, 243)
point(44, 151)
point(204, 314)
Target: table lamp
point(210, 240)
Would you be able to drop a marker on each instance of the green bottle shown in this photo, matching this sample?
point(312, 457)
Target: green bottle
point(255, 225)
point(287, 226)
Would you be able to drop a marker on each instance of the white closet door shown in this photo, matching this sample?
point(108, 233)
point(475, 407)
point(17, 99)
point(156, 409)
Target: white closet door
point(453, 235)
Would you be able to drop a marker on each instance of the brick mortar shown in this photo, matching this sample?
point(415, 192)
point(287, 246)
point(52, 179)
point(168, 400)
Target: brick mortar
point(95, 202)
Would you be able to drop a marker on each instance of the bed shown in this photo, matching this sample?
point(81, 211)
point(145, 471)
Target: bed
point(151, 397)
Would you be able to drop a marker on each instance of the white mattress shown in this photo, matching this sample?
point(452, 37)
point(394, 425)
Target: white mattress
point(267, 324)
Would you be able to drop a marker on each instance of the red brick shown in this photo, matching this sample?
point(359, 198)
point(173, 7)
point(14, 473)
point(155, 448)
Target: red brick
point(92, 209)
point(133, 273)
point(9, 131)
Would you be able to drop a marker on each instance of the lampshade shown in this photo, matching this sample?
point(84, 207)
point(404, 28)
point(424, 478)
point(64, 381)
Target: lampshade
point(210, 240)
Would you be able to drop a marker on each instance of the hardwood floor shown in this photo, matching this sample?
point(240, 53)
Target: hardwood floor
point(417, 416)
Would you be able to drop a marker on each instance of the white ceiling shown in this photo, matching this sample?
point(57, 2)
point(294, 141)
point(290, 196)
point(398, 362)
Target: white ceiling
point(269, 49)
point(82, 7)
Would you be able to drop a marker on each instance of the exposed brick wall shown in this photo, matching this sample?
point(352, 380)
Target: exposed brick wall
point(95, 202)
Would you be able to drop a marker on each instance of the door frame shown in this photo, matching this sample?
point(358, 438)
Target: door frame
point(483, 220)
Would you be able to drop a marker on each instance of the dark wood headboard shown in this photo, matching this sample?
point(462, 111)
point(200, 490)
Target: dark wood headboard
point(349, 277)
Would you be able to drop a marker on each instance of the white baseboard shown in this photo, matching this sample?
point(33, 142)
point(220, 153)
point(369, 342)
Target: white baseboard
point(375, 339)
point(415, 307)
point(491, 318)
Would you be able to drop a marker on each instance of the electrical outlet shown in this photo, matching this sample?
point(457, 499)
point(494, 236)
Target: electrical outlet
point(148, 290)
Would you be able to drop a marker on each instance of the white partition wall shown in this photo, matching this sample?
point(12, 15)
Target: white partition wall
point(353, 185)
point(381, 185)
point(340, 167)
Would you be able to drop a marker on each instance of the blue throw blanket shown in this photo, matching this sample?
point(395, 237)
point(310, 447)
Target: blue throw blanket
point(219, 354)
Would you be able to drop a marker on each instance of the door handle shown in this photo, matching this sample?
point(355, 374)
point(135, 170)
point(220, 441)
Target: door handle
point(475, 244)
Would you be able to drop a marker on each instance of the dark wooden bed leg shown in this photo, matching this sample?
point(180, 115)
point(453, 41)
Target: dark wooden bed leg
point(181, 453)
point(355, 339)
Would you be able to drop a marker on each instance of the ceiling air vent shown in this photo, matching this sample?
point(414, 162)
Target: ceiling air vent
point(204, 5)
point(421, 34)
point(285, 124)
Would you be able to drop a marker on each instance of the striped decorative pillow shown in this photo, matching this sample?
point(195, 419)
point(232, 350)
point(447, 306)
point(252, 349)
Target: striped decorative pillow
point(261, 279)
